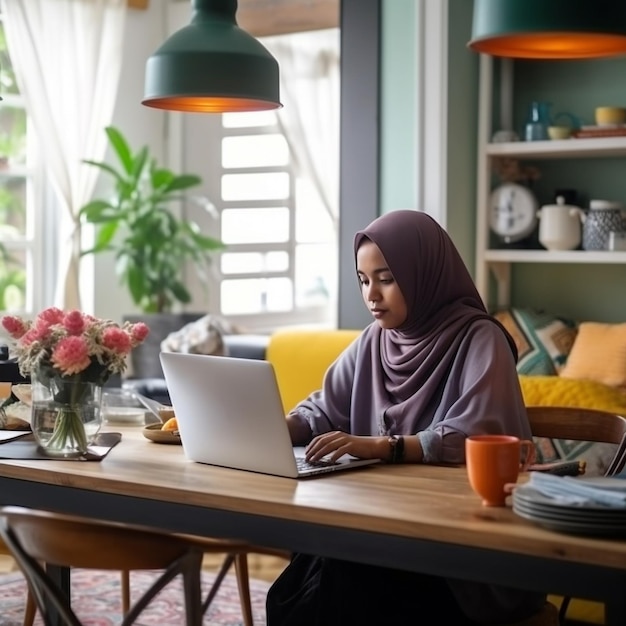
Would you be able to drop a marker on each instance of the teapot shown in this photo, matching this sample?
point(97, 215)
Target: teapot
point(560, 225)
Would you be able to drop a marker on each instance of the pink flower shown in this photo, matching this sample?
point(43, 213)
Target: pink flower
point(71, 355)
point(41, 330)
point(31, 336)
point(139, 332)
point(51, 316)
point(117, 340)
point(15, 326)
point(73, 343)
point(74, 323)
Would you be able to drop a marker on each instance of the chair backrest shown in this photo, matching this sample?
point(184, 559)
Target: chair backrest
point(581, 424)
point(69, 541)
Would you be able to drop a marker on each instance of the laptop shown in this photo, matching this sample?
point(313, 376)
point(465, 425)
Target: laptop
point(230, 414)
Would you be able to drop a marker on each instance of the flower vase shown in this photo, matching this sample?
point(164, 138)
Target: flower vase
point(66, 413)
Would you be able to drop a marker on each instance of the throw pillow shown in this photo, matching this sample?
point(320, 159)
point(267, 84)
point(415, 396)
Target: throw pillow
point(599, 354)
point(543, 340)
point(558, 391)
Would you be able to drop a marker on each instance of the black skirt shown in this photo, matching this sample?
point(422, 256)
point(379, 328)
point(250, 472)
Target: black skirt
point(315, 591)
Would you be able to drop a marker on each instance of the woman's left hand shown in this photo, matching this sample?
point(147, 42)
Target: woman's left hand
point(337, 443)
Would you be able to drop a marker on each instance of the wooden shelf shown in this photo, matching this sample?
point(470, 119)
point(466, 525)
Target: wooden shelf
point(494, 266)
point(562, 148)
point(555, 256)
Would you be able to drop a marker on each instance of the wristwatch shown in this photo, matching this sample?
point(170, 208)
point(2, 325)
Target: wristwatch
point(396, 443)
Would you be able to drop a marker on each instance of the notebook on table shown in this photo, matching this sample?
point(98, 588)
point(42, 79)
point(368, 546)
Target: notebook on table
point(230, 414)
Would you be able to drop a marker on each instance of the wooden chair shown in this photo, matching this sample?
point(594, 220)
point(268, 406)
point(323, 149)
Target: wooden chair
point(31, 608)
point(36, 537)
point(580, 424)
point(237, 555)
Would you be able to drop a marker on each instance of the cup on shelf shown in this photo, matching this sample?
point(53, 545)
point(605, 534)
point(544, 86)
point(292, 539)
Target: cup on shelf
point(610, 116)
point(559, 132)
point(495, 461)
point(617, 240)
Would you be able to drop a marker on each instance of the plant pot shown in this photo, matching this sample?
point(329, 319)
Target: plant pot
point(144, 359)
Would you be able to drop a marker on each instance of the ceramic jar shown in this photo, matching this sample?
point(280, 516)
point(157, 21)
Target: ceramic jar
point(560, 225)
point(602, 218)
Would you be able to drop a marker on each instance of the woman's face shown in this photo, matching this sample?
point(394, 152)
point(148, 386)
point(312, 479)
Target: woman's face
point(380, 292)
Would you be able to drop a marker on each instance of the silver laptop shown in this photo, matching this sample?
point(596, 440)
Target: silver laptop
point(230, 414)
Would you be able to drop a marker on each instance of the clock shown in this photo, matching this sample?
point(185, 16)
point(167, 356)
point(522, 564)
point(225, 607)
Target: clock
point(513, 212)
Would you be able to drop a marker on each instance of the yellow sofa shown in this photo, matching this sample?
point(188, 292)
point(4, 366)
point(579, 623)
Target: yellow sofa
point(300, 358)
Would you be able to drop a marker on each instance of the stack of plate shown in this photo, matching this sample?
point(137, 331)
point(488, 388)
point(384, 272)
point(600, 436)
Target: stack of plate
point(557, 514)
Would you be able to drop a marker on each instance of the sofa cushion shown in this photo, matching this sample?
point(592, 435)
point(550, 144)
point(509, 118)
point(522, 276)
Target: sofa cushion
point(599, 354)
point(558, 391)
point(301, 358)
point(543, 340)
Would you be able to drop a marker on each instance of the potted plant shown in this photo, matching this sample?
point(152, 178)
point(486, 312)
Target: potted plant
point(151, 243)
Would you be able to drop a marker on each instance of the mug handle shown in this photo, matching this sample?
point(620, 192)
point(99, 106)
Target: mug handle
point(574, 122)
point(528, 454)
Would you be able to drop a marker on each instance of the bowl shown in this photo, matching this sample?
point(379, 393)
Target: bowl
point(610, 116)
point(559, 132)
point(154, 433)
point(121, 406)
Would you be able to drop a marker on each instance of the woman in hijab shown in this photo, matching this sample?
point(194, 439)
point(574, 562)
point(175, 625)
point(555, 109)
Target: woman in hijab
point(430, 370)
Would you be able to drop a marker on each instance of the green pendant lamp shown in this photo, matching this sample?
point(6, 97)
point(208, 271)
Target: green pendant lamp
point(212, 66)
point(549, 29)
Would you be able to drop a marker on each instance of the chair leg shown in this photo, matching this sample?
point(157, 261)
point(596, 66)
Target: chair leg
point(31, 608)
point(228, 561)
point(125, 584)
point(193, 594)
point(243, 582)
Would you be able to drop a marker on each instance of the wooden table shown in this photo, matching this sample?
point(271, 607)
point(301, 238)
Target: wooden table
point(418, 517)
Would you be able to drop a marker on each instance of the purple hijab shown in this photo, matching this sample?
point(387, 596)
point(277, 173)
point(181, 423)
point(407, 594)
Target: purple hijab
point(446, 373)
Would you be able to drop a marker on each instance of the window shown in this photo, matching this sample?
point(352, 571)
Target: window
point(280, 264)
point(280, 257)
point(20, 288)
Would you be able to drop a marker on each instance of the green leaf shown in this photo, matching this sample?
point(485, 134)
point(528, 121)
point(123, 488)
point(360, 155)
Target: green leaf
point(97, 211)
point(120, 145)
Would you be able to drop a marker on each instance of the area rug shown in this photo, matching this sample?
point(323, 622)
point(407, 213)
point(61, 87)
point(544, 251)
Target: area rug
point(96, 599)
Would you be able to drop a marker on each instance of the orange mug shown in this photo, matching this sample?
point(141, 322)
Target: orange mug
point(493, 461)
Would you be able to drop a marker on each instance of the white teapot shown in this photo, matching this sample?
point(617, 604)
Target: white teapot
point(560, 225)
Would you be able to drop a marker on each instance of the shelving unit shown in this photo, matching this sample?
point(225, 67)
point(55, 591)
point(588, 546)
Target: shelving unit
point(497, 263)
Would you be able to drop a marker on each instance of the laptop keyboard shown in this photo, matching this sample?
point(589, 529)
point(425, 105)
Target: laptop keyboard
point(303, 464)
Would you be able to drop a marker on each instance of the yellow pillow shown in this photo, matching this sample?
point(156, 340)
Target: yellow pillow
point(599, 354)
point(559, 391)
point(301, 358)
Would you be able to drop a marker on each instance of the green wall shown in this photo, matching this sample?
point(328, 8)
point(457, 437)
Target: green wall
point(399, 66)
point(399, 128)
point(579, 291)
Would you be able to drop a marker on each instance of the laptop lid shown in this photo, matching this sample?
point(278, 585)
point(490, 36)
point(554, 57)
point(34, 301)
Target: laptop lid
point(229, 413)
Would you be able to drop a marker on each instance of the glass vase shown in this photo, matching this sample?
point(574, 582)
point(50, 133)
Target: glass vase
point(66, 414)
point(538, 122)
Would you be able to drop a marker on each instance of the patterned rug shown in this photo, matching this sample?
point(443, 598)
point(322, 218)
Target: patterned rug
point(97, 600)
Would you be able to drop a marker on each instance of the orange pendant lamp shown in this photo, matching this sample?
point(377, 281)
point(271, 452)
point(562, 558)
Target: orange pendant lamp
point(549, 29)
point(212, 66)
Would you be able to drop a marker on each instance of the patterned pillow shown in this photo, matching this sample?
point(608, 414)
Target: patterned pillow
point(543, 340)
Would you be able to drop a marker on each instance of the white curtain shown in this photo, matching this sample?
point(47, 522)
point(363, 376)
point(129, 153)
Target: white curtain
point(309, 92)
point(67, 56)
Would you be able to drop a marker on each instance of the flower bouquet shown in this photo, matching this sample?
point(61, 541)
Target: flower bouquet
point(69, 356)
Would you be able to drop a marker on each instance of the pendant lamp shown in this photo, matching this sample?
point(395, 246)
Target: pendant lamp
point(549, 29)
point(212, 66)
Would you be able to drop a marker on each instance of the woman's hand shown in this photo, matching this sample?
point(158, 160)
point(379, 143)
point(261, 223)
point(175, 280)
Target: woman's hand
point(337, 443)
